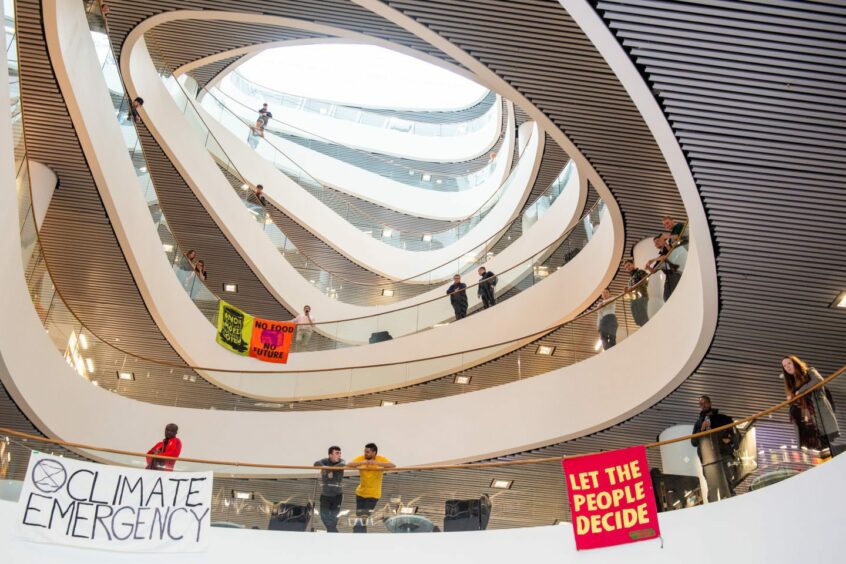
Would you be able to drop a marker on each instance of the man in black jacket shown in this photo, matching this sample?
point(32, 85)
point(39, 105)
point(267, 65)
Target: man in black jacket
point(715, 450)
point(331, 492)
point(487, 281)
point(458, 297)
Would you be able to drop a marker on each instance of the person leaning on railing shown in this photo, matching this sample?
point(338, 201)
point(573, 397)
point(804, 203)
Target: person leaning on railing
point(672, 272)
point(305, 328)
point(371, 468)
point(715, 450)
point(813, 414)
point(331, 490)
point(639, 292)
point(458, 297)
point(606, 321)
point(169, 446)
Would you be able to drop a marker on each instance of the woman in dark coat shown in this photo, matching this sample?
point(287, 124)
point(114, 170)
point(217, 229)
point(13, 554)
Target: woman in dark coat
point(813, 414)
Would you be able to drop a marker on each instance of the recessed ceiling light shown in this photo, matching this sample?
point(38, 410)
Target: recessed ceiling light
point(388, 293)
point(386, 403)
point(545, 350)
point(408, 510)
point(427, 177)
point(411, 173)
point(439, 181)
point(230, 287)
point(89, 364)
point(840, 301)
point(243, 495)
point(168, 248)
point(143, 169)
point(387, 233)
point(245, 186)
point(462, 379)
point(126, 376)
point(501, 484)
point(427, 237)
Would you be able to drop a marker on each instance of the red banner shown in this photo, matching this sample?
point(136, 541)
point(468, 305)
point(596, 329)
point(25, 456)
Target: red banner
point(611, 498)
point(271, 340)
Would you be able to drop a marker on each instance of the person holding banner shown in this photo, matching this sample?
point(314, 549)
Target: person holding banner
point(169, 446)
point(305, 328)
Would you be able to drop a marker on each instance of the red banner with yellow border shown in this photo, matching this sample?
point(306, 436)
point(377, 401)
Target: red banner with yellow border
point(611, 498)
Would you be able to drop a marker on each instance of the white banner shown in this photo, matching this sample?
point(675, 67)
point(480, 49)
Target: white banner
point(90, 505)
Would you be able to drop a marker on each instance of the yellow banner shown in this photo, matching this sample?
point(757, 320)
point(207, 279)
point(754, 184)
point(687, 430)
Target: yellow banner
point(234, 328)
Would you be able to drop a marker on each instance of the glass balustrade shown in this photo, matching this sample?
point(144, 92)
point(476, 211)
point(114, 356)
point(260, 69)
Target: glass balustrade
point(521, 490)
point(412, 173)
point(250, 90)
point(412, 240)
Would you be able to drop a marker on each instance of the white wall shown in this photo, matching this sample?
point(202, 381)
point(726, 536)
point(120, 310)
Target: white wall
point(797, 520)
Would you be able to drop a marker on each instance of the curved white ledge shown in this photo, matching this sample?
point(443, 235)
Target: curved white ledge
point(759, 526)
point(375, 188)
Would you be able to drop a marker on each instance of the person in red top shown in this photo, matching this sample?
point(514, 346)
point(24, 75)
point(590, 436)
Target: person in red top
point(169, 446)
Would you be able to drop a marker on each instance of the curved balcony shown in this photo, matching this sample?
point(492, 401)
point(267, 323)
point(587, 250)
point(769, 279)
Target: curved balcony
point(379, 133)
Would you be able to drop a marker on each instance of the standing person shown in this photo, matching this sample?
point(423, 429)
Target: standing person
point(639, 292)
point(607, 321)
point(256, 132)
point(369, 489)
point(331, 491)
point(133, 109)
point(305, 328)
point(715, 450)
point(674, 230)
point(662, 262)
point(169, 446)
point(813, 414)
point(264, 115)
point(200, 270)
point(487, 282)
point(259, 192)
point(458, 297)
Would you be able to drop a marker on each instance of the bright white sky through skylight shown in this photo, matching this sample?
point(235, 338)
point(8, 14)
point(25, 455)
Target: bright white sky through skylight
point(361, 75)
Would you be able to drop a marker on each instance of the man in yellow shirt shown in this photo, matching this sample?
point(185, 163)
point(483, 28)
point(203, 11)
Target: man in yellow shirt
point(371, 470)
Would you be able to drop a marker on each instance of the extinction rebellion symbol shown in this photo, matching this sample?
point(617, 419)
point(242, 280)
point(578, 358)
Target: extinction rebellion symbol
point(49, 476)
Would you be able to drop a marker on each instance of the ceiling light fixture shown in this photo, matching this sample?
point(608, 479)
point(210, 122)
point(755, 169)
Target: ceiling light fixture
point(462, 379)
point(545, 350)
point(168, 248)
point(247, 496)
point(387, 233)
point(427, 177)
point(83, 340)
point(501, 484)
point(230, 287)
point(245, 186)
point(388, 293)
point(386, 403)
point(840, 301)
point(89, 364)
point(129, 376)
point(427, 237)
point(143, 169)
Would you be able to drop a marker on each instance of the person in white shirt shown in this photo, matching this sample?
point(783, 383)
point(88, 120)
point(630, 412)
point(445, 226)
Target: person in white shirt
point(607, 321)
point(305, 328)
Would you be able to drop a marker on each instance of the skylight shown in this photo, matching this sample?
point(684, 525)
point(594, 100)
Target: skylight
point(361, 75)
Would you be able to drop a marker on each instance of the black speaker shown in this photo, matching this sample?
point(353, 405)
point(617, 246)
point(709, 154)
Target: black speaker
point(380, 336)
point(291, 517)
point(467, 514)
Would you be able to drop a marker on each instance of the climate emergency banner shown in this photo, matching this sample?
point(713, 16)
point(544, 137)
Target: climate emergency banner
point(611, 498)
point(246, 335)
point(90, 505)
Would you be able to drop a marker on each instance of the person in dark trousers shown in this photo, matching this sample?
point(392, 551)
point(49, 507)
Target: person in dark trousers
point(264, 115)
point(487, 283)
point(169, 446)
point(715, 450)
point(458, 297)
point(607, 320)
point(133, 109)
point(371, 471)
point(662, 262)
point(639, 292)
point(812, 414)
point(331, 491)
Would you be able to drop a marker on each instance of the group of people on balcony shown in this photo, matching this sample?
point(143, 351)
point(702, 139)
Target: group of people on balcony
point(192, 270)
point(813, 415)
point(457, 292)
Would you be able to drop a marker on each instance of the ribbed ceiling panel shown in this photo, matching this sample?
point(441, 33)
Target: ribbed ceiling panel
point(206, 73)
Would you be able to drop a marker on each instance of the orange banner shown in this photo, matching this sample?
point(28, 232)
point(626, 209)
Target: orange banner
point(611, 498)
point(271, 340)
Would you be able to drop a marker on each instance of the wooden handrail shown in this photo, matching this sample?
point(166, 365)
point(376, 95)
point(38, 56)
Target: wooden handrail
point(497, 464)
